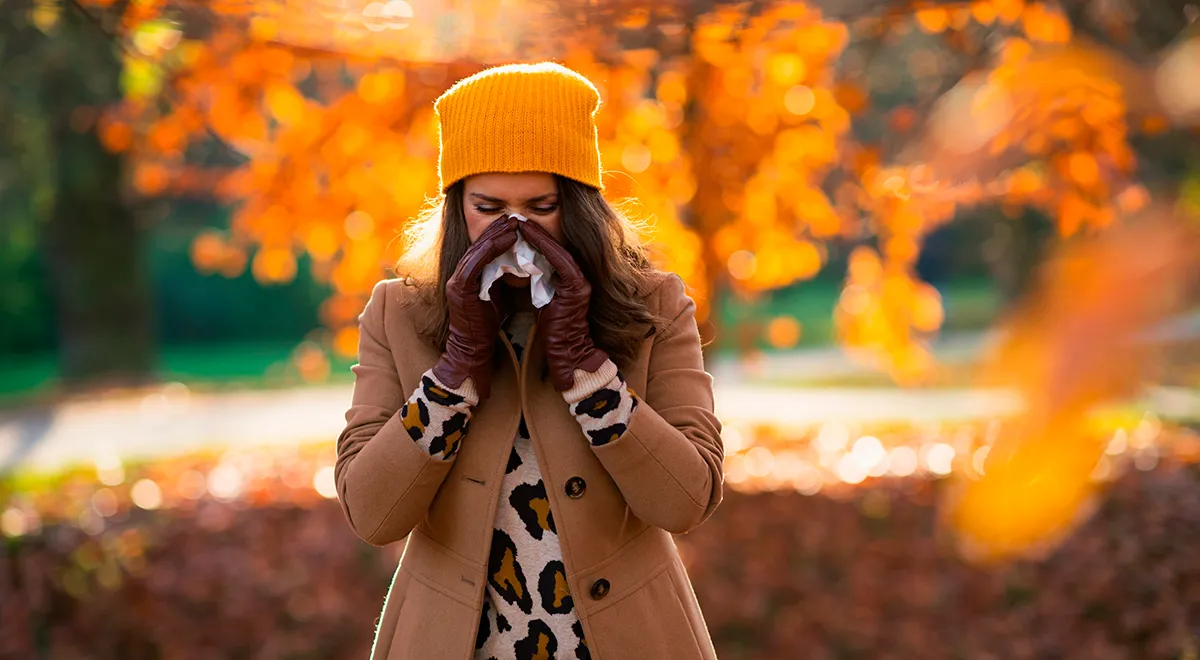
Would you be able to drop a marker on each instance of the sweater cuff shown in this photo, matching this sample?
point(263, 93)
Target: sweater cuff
point(466, 390)
point(437, 417)
point(588, 383)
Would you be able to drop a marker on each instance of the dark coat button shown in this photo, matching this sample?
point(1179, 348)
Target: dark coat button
point(599, 589)
point(575, 487)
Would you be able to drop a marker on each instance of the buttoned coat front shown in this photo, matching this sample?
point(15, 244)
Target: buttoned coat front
point(663, 475)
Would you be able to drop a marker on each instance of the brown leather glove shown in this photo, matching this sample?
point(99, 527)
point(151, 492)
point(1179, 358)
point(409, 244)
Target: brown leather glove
point(563, 329)
point(474, 323)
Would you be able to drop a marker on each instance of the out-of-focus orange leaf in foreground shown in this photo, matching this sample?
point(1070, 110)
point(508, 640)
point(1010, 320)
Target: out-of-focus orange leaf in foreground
point(1077, 343)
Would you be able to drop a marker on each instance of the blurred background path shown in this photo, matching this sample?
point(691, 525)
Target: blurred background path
point(788, 390)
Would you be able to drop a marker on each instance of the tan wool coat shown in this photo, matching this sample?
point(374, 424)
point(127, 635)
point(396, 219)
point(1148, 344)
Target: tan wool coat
point(662, 476)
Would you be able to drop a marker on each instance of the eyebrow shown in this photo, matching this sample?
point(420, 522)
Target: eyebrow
point(497, 200)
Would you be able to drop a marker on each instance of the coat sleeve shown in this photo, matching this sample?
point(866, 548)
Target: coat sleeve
point(668, 462)
point(385, 481)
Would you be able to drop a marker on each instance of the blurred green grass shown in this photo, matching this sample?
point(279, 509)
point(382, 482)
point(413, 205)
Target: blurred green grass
point(249, 365)
point(969, 304)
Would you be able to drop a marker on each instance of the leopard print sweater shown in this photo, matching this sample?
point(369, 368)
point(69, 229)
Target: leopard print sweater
point(528, 611)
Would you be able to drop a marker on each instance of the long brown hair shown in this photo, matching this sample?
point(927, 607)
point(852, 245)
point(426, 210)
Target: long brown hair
point(601, 240)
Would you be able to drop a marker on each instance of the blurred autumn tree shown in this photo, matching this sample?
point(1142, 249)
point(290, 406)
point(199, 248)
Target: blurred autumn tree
point(756, 134)
point(61, 192)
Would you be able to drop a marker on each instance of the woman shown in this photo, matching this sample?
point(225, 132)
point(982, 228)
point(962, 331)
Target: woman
point(537, 460)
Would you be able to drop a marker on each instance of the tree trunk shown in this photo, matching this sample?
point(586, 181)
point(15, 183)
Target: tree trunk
point(91, 239)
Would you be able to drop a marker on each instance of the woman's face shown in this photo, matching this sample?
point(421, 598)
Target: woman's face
point(534, 195)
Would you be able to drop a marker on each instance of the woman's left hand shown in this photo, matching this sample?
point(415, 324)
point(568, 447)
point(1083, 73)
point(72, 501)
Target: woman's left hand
point(563, 322)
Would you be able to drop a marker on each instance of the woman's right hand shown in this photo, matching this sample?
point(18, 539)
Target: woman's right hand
point(474, 323)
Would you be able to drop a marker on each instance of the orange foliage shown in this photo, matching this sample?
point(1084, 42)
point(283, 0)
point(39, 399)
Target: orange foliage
point(725, 133)
point(783, 332)
point(1053, 113)
point(1046, 127)
point(933, 19)
point(115, 135)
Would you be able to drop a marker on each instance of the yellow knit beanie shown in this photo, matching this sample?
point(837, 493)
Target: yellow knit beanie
point(519, 118)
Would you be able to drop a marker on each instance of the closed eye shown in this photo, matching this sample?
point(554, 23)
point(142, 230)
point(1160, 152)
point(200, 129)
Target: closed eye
point(538, 210)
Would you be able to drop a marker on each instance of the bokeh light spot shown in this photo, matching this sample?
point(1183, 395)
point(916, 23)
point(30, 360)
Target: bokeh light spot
point(940, 458)
point(323, 482)
point(225, 482)
point(146, 494)
point(902, 461)
point(742, 264)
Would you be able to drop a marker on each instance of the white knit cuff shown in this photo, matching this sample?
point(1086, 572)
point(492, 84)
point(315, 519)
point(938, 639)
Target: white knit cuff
point(466, 390)
point(587, 383)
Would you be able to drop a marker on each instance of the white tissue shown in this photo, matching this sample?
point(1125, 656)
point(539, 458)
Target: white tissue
point(523, 261)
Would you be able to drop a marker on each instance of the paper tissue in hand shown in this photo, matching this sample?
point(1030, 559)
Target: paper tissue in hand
point(523, 261)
